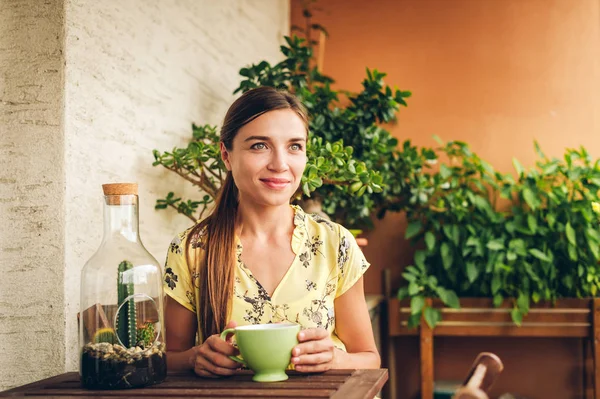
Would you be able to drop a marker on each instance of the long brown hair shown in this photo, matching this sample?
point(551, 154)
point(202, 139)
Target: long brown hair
point(216, 266)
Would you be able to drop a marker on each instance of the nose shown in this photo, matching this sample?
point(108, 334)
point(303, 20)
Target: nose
point(278, 161)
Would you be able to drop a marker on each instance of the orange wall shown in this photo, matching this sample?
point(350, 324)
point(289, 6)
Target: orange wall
point(497, 74)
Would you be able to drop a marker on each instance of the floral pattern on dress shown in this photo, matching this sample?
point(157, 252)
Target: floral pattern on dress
point(198, 239)
point(321, 307)
point(342, 257)
point(176, 245)
point(257, 300)
point(191, 299)
point(170, 278)
point(312, 249)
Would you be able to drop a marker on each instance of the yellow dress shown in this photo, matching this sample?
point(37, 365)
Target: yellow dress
point(328, 262)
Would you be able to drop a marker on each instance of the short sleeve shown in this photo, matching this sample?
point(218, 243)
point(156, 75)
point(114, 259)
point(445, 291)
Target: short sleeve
point(351, 262)
point(177, 281)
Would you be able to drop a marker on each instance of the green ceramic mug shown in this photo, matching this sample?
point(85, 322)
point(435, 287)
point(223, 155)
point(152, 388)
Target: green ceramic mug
point(266, 348)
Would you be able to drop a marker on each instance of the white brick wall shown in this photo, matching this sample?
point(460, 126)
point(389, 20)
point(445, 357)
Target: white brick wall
point(137, 74)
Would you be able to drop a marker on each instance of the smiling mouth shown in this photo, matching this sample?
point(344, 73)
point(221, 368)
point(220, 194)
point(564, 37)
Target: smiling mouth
point(275, 183)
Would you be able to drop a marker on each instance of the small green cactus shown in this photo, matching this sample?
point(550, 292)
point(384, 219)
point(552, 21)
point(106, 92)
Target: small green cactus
point(145, 335)
point(105, 335)
point(126, 322)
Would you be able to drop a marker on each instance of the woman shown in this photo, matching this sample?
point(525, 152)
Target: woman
point(257, 259)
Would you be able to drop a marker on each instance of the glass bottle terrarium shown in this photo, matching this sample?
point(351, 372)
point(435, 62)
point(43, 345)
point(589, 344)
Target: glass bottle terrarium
point(121, 322)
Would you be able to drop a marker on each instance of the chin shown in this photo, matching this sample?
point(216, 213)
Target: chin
point(274, 199)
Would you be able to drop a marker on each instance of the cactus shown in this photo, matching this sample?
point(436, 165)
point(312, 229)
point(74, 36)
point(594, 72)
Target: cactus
point(145, 335)
point(105, 335)
point(126, 322)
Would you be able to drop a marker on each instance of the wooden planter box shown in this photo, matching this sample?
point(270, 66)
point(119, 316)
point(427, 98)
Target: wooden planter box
point(478, 317)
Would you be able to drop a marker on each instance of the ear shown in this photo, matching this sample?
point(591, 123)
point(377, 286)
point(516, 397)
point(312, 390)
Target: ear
point(225, 156)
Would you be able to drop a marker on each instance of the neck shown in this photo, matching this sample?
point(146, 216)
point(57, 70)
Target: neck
point(264, 221)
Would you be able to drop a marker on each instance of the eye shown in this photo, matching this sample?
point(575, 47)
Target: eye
point(296, 147)
point(258, 146)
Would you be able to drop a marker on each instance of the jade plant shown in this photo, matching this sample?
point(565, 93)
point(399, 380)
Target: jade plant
point(481, 233)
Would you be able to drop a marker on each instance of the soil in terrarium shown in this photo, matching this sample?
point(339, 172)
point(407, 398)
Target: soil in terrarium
point(111, 366)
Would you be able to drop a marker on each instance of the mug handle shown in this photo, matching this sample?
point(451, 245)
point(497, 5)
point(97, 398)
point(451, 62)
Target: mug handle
point(224, 338)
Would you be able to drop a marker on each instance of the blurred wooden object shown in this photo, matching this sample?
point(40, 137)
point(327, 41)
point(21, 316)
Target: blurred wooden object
point(477, 317)
point(94, 319)
point(485, 370)
point(321, 54)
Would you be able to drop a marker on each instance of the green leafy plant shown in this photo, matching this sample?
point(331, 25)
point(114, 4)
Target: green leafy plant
point(349, 153)
point(484, 234)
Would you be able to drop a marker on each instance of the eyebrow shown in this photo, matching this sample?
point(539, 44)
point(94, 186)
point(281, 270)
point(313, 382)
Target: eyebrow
point(267, 138)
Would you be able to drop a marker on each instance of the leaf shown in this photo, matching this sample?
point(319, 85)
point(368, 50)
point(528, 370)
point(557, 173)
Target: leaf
point(413, 229)
point(449, 297)
point(413, 288)
point(572, 252)
point(498, 299)
point(496, 284)
point(402, 293)
point(416, 304)
point(438, 139)
point(472, 271)
point(447, 257)
point(530, 198)
point(495, 245)
point(539, 255)
point(430, 240)
point(571, 236)
point(532, 223)
point(516, 316)
point(420, 257)
point(432, 316)
point(523, 302)
point(518, 167)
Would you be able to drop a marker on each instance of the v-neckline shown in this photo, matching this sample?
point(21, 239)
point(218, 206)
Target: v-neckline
point(297, 233)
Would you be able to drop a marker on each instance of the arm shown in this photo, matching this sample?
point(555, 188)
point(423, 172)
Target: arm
point(181, 326)
point(316, 351)
point(210, 359)
point(353, 327)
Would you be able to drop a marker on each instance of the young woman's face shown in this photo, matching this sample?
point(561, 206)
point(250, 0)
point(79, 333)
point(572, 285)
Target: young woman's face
point(268, 157)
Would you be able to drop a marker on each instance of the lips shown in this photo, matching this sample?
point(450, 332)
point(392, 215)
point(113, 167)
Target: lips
point(275, 183)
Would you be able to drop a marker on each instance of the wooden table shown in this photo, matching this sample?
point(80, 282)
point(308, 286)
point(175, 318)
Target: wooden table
point(344, 384)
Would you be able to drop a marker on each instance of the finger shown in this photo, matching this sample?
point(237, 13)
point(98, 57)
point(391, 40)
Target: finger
point(323, 345)
point(217, 358)
point(318, 368)
point(311, 334)
point(204, 373)
point(216, 344)
point(231, 324)
point(212, 368)
point(313, 359)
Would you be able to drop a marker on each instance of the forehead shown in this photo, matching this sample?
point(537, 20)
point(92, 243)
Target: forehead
point(278, 124)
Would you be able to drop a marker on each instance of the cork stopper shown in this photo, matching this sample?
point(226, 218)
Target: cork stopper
point(114, 192)
point(120, 189)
